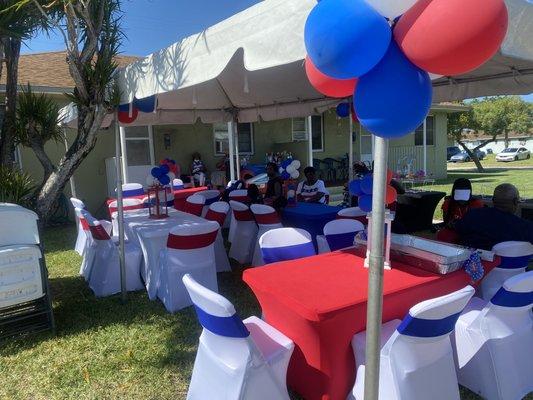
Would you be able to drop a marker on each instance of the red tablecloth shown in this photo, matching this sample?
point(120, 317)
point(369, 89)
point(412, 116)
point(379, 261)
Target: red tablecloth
point(181, 195)
point(320, 303)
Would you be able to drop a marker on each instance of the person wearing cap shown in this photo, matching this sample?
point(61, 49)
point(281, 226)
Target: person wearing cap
point(312, 190)
point(482, 228)
point(455, 207)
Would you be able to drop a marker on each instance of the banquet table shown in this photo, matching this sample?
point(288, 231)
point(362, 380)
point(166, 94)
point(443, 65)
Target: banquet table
point(309, 216)
point(151, 236)
point(320, 303)
point(180, 196)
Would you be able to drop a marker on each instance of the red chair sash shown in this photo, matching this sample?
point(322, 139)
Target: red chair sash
point(180, 242)
point(241, 199)
point(193, 208)
point(245, 215)
point(126, 208)
point(84, 224)
point(216, 216)
point(267, 219)
point(98, 232)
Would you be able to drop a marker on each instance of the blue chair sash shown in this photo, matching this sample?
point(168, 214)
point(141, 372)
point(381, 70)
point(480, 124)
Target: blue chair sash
point(177, 187)
point(340, 240)
point(133, 192)
point(275, 254)
point(514, 262)
point(506, 298)
point(208, 202)
point(418, 327)
point(223, 326)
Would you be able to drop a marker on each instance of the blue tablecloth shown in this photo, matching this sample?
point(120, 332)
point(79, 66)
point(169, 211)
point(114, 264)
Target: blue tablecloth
point(309, 216)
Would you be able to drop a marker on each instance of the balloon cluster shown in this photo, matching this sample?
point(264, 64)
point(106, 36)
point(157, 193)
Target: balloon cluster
point(343, 110)
point(289, 169)
point(166, 172)
point(382, 51)
point(362, 188)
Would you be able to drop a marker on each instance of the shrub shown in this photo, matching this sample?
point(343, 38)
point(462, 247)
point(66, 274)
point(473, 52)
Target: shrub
point(15, 186)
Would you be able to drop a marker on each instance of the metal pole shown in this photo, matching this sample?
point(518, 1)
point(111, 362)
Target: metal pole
point(350, 148)
point(237, 157)
point(375, 272)
point(71, 180)
point(309, 127)
point(120, 209)
point(424, 138)
point(231, 151)
point(124, 152)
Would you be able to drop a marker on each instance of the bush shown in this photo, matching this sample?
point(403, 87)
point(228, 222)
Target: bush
point(15, 186)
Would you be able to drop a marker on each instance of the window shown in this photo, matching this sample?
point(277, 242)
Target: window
point(245, 133)
point(299, 131)
point(138, 149)
point(430, 132)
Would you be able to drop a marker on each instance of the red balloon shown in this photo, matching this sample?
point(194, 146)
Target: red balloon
point(390, 195)
point(390, 174)
point(326, 85)
point(124, 116)
point(452, 37)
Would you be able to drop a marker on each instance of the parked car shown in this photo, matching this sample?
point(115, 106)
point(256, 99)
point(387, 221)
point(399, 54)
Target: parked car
point(464, 157)
point(451, 151)
point(514, 154)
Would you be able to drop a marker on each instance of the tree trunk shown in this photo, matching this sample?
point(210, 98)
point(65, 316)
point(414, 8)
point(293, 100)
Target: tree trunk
point(7, 141)
point(473, 156)
point(37, 146)
point(506, 139)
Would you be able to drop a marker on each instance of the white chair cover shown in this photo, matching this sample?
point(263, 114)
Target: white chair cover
point(236, 360)
point(132, 189)
point(284, 244)
point(494, 342)
point(217, 212)
point(128, 205)
point(211, 196)
point(416, 358)
point(240, 195)
point(177, 184)
point(104, 276)
point(190, 250)
point(194, 204)
point(267, 218)
point(353, 213)
point(242, 247)
point(89, 249)
point(338, 234)
point(514, 259)
point(81, 238)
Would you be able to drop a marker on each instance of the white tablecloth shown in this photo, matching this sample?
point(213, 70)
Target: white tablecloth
point(151, 236)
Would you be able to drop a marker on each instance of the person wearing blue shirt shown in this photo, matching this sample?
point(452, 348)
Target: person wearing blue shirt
point(482, 228)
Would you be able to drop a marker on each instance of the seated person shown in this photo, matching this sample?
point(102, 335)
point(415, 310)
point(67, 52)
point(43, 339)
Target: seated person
point(198, 169)
point(312, 190)
point(254, 194)
point(455, 207)
point(274, 191)
point(482, 228)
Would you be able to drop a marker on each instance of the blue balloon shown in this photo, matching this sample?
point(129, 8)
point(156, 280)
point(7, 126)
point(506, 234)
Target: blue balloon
point(355, 187)
point(164, 168)
point(343, 110)
point(393, 99)
point(365, 202)
point(156, 172)
point(366, 184)
point(286, 163)
point(164, 179)
point(346, 38)
point(285, 175)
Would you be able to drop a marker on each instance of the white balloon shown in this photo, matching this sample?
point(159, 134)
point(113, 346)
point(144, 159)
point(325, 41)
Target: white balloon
point(290, 168)
point(296, 164)
point(295, 175)
point(391, 8)
point(172, 176)
point(281, 169)
point(291, 193)
point(434, 76)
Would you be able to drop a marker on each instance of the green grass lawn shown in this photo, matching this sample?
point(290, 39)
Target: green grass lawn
point(104, 349)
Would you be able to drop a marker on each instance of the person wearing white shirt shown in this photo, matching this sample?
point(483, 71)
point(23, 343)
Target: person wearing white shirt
point(312, 190)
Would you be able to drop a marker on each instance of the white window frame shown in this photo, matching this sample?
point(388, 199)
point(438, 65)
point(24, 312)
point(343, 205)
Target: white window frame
point(434, 131)
point(305, 138)
point(249, 153)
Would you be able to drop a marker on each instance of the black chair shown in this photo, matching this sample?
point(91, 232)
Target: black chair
point(414, 211)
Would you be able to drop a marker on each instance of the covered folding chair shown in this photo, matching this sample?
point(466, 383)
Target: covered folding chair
point(190, 250)
point(217, 212)
point(211, 196)
point(128, 205)
point(494, 342)
point(267, 218)
point(285, 244)
point(104, 276)
point(353, 213)
point(338, 234)
point(177, 184)
point(416, 356)
point(236, 360)
point(240, 195)
point(132, 190)
point(81, 239)
point(89, 250)
point(194, 205)
point(514, 259)
point(242, 247)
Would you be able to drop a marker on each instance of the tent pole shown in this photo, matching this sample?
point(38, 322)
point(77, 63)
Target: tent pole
point(424, 132)
point(309, 127)
point(120, 216)
point(231, 151)
point(124, 161)
point(237, 157)
point(350, 148)
point(375, 272)
point(71, 180)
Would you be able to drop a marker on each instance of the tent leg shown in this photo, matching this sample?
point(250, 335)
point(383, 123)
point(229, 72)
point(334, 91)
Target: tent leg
point(71, 180)
point(231, 151)
point(120, 209)
point(123, 150)
point(375, 272)
point(424, 131)
point(309, 127)
point(350, 148)
point(237, 157)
